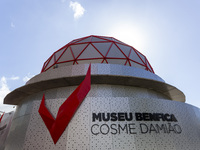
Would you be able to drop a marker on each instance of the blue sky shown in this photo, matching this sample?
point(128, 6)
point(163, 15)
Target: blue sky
point(166, 32)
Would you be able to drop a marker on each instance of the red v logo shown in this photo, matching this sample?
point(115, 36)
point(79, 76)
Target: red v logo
point(67, 110)
point(1, 117)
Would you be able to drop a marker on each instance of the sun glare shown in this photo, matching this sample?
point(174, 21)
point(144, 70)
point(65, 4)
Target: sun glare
point(130, 35)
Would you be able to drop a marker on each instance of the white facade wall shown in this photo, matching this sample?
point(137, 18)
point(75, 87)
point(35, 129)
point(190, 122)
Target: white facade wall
point(28, 131)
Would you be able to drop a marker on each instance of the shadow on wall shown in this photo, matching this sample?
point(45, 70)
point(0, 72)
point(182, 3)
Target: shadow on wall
point(5, 124)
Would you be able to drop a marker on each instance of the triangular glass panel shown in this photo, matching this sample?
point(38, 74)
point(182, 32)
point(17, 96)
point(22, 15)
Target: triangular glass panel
point(125, 49)
point(85, 40)
point(115, 52)
point(74, 41)
point(127, 63)
point(46, 62)
point(51, 62)
point(135, 57)
point(102, 47)
point(66, 56)
point(137, 65)
point(104, 61)
point(116, 61)
point(118, 41)
point(90, 61)
point(58, 53)
point(149, 67)
point(108, 38)
point(77, 49)
point(90, 52)
point(141, 56)
point(95, 39)
point(65, 63)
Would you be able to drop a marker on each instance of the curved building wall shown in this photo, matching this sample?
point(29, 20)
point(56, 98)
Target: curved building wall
point(29, 132)
point(5, 124)
point(126, 109)
point(111, 74)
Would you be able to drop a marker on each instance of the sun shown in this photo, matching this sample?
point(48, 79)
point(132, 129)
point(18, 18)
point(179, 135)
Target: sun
point(129, 34)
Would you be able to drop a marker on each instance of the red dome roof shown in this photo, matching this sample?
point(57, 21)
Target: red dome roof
point(97, 49)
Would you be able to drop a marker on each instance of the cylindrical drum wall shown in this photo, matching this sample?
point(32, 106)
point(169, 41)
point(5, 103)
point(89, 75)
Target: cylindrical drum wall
point(126, 109)
point(111, 117)
point(5, 123)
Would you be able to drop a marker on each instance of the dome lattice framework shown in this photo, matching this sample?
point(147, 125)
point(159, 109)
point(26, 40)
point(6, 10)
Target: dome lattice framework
point(97, 49)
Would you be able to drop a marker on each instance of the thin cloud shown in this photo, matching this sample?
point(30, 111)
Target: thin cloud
point(14, 78)
point(7, 108)
point(28, 77)
point(4, 89)
point(77, 9)
point(12, 25)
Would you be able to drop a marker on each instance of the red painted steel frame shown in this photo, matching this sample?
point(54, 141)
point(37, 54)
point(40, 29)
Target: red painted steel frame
point(143, 62)
point(2, 117)
point(67, 110)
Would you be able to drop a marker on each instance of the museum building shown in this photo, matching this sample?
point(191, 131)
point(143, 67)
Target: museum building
point(98, 93)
